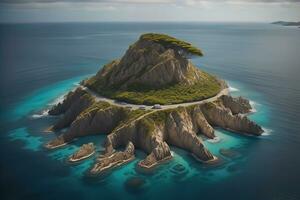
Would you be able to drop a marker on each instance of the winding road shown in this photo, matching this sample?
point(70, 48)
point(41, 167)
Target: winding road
point(225, 91)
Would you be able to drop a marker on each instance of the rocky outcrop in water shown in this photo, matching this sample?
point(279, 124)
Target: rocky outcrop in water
point(236, 105)
point(85, 151)
point(109, 161)
point(218, 115)
point(74, 103)
point(68, 101)
point(153, 131)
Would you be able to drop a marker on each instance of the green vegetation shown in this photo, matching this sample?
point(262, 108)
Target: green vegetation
point(130, 115)
point(148, 125)
point(172, 94)
point(171, 42)
point(95, 107)
point(160, 116)
point(88, 97)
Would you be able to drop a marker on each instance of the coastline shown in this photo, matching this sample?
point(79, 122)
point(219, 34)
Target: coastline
point(211, 161)
point(47, 146)
point(49, 129)
point(110, 167)
point(81, 158)
point(156, 163)
point(70, 180)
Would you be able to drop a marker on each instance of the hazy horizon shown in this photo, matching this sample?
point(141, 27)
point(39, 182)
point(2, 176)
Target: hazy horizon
point(29, 11)
point(200, 22)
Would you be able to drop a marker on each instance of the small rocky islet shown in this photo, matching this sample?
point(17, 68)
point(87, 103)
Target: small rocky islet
point(154, 70)
point(85, 151)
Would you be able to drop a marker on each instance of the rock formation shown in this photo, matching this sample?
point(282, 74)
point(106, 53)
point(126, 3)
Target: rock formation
point(153, 64)
point(72, 105)
point(153, 131)
point(85, 151)
point(148, 63)
point(109, 161)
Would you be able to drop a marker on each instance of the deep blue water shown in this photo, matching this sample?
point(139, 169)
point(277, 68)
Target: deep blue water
point(39, 63)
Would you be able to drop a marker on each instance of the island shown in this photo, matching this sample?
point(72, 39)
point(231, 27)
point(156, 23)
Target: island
point(284, 23)
point(85, 151)
point(152, 98)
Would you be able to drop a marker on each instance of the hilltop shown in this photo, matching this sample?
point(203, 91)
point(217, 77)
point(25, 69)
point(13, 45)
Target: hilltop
point(155, 69)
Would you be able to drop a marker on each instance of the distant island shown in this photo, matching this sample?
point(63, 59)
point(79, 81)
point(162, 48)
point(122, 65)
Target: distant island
point(149, 99)
point(284, 23)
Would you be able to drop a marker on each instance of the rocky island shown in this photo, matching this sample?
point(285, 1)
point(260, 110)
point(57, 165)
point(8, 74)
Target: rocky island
point(85, 151)
point(118, 102)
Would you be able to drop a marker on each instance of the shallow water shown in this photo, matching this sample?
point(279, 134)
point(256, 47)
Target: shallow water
point(41, 62)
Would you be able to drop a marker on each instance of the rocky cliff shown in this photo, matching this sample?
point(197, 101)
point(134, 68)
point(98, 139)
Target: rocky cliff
point(155, 70)
point(149, 63)
point(151, 131)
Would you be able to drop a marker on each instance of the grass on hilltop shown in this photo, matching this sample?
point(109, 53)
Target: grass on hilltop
point(207, 87)
point(171, 42)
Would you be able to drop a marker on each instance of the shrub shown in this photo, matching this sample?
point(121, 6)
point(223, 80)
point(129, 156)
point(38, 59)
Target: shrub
point(174, 43)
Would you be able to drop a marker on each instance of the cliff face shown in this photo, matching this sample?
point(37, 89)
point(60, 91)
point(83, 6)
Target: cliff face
point(73, 105)
point(151, 131)
point(236, 105)
point(68, 101)
point(228, 114)
point(150, 64)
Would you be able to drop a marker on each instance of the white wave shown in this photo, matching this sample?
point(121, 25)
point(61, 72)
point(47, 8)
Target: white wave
point(57, 100)
point(253, 109)
point(172, 153)
point(253, 105)
point(43, 114)
point(266, 131)
point(214, 140)
point(76, 84)
point(232, 89)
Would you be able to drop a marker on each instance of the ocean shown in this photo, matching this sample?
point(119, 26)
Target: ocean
point(41, 62)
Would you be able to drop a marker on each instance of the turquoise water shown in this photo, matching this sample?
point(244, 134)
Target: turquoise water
point(64, 54)
point(44, 98)
point(30, 142)
point(34, 105)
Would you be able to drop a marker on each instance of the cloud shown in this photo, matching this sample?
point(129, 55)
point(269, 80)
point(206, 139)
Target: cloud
point(178, 2)
point(89, 1)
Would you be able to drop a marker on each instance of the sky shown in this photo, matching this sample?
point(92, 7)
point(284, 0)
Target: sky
point(149, 10)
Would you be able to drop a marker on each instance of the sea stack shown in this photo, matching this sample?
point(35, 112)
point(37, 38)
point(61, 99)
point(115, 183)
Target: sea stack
point(85, 151)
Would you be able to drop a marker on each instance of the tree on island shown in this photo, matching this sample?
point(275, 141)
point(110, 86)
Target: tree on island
point(183, 48)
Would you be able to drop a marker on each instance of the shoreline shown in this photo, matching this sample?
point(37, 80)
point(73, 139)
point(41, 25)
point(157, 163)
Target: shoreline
point(110, 166)
point(156, 163)
point(80, 159)
point(49, 129)
point(211, 161)
point(57, 146)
